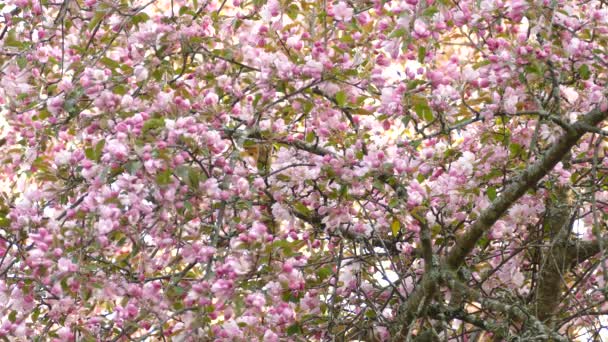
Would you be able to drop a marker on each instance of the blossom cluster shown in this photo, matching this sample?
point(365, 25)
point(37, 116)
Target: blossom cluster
point(237, 170)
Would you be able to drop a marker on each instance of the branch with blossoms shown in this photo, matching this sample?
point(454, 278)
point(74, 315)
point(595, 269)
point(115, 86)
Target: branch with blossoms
point(302, 170)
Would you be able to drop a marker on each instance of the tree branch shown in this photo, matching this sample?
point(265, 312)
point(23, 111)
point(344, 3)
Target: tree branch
point(524, 181)
point(555, 261)
point(506, 309)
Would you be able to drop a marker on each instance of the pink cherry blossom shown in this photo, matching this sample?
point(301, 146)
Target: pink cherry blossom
point(342, 11)
point(286, 171)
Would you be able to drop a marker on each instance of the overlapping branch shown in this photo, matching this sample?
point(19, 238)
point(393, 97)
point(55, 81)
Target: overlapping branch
point(524, 181)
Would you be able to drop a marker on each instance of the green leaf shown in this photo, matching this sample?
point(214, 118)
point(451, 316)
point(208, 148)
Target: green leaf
point(324, 273)
point(249, 143)
point(94, 153)
point(491, 193)
point(35, 315)
point(287, 248)
point(370, 314)
point(194, 178)
point(99, 149)
point(12, 316)
point(110, 63)
point(522, 77)
point(133, 166)
point(341, 98)
point(283, 178)
point(400, 32)
point(310, 137)
point(152, 124)
point(294, 329)
point(421, 54)
point(347, 38)
point(158, 73)
point(120, 89)
point(292, 11)
point(21, 62)
point(175, 291)
point(89, 153)
point(187, 175)
point(290, 297)
point(343, 191)
point(183, 10)
point(483, 241)
point(140, 18)
point(163, 178)
point(422, 109)
point(395, 227)
point(256, 99)
point(97, 18)
point(301, 208)
point(583, 70)
point(515, 149)
point(430, 11)
point(307, 106)
point(532, 68)
point(481, 64)
point(11, 40)
point(378, 185)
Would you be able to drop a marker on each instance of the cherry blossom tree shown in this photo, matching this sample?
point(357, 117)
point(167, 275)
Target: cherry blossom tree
point(306, 170)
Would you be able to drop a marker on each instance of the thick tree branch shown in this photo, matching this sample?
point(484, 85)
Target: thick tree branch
point(555, 262)
point(584, 250)
point(316, 221)
point(522, 183)
point(301, 145)
point(510, 310)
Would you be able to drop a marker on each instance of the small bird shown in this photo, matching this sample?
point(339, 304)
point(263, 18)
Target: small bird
point(261, 155)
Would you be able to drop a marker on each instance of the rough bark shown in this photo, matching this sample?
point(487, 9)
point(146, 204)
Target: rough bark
point(562, 255)
point(522, 183)
point(555, 260)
